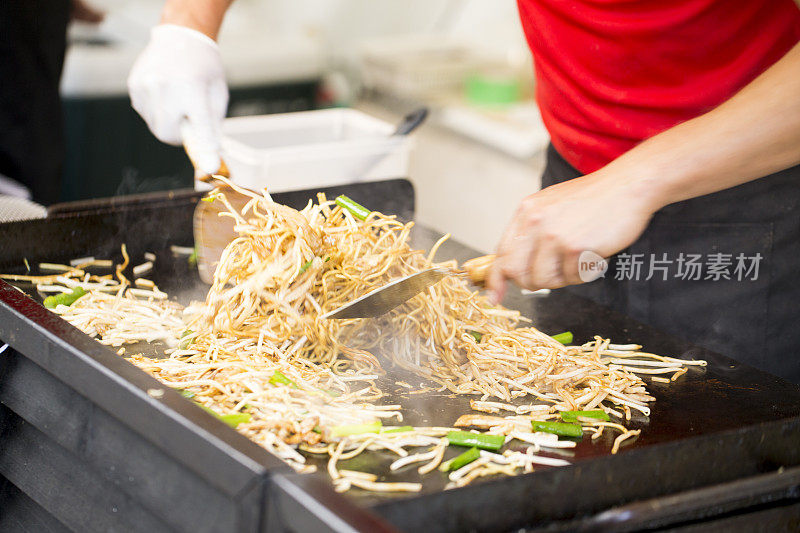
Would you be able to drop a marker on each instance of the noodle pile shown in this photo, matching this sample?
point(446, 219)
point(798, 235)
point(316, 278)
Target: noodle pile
point(288, 267)
point(261, 322)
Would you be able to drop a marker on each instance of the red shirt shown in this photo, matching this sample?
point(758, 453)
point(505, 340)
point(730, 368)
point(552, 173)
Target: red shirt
point(611, 73)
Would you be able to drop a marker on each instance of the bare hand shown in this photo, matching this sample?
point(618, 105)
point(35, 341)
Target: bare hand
point(599, 212)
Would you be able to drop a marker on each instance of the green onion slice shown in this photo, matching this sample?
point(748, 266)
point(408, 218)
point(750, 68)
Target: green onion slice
point(65, 298)
point(559, 428)
point(305, 266)
point(480, 440)
point(232, 420)
point(356, 209)
point(401, 429)
point(572, 416)
point(279, 378)
point(564, 338)
point(464, 459)
point(356, 429)
point(235, 419)
point(478, 336)
point(185, 343)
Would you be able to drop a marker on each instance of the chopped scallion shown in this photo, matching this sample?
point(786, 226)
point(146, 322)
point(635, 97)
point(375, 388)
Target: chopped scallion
point(185, 343)
point(65, 298)
point(235, 419)
point(401, 429)
point(355, 209)
point(558, 428)
point(356, 429)
point(279, 378)
point(481, 440)
point(305, 266)
point(572, 416)
point(232, 420)
point(464, 459)
point(564, 338)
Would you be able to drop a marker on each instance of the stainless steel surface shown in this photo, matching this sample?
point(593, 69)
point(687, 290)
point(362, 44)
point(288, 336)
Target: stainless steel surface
point(384, 299)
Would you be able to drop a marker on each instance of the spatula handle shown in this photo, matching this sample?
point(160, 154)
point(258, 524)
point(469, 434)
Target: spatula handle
point(194, 147)
point(478, 268)
point(411, 121)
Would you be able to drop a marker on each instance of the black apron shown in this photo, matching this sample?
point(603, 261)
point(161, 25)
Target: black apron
point(749, 234)
point(32, 44)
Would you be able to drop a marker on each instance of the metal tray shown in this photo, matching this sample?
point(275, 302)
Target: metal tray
point(84, 444)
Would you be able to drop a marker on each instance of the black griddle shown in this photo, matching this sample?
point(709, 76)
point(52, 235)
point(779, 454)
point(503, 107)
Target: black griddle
point(84, 446)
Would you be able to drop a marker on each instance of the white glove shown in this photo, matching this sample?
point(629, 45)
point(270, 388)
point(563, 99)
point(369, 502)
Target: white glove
point(178, 83)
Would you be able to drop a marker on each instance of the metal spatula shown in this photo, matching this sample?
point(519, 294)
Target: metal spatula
point(385, 298)
point(212, 233)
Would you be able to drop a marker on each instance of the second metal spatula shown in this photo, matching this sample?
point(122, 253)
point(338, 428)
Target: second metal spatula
point(385, 298)
point(396, 292)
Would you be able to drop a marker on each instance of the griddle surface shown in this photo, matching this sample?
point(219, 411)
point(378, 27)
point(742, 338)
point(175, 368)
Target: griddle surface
point(723, 396)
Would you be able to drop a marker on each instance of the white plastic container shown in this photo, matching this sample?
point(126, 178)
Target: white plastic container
point(311, 149)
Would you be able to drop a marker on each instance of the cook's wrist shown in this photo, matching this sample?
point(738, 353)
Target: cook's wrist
point(663, 182)
point(640, 185)
point(170, 34)
point(204, 17)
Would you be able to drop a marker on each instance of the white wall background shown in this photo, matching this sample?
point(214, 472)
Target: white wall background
point(342, 24)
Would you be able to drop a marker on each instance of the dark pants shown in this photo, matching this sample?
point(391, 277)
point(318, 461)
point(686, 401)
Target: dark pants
point(712, 295)
point(32, 44)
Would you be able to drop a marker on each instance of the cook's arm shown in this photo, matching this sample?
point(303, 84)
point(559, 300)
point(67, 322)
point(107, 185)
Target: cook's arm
point(177, 84)
point(202, 15)
point(753, 134)
point(83, 12)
